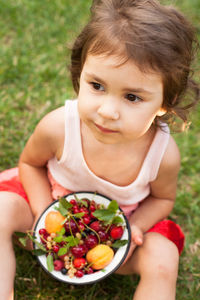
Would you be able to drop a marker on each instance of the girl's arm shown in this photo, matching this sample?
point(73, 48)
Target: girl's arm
point(46, 142)
point(160, 202)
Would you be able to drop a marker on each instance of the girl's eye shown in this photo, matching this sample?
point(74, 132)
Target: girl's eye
point(132, 98)
point(97, 86)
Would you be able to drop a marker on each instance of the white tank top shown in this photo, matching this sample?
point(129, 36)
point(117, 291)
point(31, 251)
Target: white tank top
point(72, 172)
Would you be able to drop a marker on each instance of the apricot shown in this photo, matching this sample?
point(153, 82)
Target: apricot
point(100, 256)
point(53, 221)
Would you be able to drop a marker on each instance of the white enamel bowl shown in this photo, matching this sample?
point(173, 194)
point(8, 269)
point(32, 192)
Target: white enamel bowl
point(119, 256)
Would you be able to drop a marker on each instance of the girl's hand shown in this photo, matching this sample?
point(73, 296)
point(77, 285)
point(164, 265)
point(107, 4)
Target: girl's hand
point(136, 240)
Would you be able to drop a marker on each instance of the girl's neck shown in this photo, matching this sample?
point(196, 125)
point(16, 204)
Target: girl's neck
point(134, 145)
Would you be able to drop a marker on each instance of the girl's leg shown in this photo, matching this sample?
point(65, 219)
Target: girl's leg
point(156, 261)
point(15, 215)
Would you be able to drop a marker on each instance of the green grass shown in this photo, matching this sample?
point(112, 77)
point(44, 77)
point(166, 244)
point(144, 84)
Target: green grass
point(35, 40)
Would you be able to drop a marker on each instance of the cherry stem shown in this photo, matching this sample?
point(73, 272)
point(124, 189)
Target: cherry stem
point(99, 240)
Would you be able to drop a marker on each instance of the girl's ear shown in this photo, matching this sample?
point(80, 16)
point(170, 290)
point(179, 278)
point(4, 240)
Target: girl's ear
point(161, 112)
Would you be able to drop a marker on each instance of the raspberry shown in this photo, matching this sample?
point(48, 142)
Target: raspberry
point(58, 265)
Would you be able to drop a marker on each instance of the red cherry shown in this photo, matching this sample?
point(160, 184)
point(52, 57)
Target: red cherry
point(91, 241)
point(73, 202)
point(43, 231)
point(86, 219)
point(56, 248)
point(116, 232)
point(79, 273)
point(79, 251)
point(71, 226)
point(81, 226)
point(58, 264)
point(79, 263)
point(84, 209)
point(103, 235)
point(75, 209)
point(96, 226)
point(89, 270)
point(92, 208)
point(43, 238)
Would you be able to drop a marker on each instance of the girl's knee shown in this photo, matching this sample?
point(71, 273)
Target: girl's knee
point(14, 211)
point(160, 257)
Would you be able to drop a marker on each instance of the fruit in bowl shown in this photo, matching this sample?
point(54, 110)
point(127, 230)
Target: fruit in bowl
point(82, 238)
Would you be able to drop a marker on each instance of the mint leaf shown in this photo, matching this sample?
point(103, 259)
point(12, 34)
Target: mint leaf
point(113, 206)
point(50, 265)
point(119, 243)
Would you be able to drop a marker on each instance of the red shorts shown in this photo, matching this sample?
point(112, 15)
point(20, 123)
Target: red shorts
point(9, 181)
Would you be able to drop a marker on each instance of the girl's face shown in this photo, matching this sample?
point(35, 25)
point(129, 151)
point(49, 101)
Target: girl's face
point(118, 103)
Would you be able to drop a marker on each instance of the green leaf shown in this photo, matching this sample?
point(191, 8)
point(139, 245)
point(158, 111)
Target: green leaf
point(62, 251)
point(79, 215)
point(76, 197)
point(62, 231)
point(38, 252)
point(58, 239)
point(50, 265)
point(20, 234)
point(23, 240)
point(65, 204)
point(104, 215)
point(119, 243)
point(63, 222)
point(83, 202)
point(62, 210)
point(117, 220)
point(40, 246)
point(72, 241)
point(113, 206)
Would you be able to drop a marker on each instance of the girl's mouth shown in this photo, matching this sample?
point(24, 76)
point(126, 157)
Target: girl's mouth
point(105, 130)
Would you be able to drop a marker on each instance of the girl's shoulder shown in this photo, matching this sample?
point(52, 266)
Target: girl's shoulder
point(53, 121)
point(51, 129)
point(170, 163)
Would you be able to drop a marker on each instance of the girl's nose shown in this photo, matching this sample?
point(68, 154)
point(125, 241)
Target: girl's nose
point(109, 109)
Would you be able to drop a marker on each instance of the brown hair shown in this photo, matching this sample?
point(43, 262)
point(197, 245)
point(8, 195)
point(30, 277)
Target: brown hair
point(156, 37)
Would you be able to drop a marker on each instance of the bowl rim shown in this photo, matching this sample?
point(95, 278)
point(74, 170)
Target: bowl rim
point(105, 275)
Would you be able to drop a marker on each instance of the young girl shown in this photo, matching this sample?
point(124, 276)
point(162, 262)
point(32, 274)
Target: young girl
point(130, 68)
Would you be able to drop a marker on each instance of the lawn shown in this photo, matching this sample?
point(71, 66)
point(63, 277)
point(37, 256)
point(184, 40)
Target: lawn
point(36, 37)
